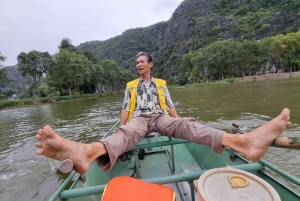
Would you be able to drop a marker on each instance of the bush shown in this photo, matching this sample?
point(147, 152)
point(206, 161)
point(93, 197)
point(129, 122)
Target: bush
point(28, 102)
point(9, 92)
point(265, 28)
point(291, 29)
point(44, 100)
point(293, 4)
point(8, 103)
point(2, 96)
point(174, 86)
point(231, 80)
point(174, 80)
point(59, 98)
point(12, 103)
point(42, 91)
point(212, 83)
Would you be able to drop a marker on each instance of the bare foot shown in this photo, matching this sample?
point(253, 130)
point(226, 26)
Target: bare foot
point(55, 147)
point(256, 142)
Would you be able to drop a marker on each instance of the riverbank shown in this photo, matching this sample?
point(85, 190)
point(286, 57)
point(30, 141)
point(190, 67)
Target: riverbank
point(27, 102)
point(269, 76)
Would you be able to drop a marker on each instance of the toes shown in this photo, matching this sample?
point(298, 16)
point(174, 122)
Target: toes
point(39, 144)
point(40, 132)
point(49, 133)
point(288, 118)
point(40, 152)
point(39, 137)
point(285, 113)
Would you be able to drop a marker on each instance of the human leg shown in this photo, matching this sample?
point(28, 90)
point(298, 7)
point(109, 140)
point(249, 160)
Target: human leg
point(191, 130)
point(255, 143)
point(123, 139)
point(55, 147)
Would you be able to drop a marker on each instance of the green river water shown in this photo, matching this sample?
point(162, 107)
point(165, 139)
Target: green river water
point(26, 176)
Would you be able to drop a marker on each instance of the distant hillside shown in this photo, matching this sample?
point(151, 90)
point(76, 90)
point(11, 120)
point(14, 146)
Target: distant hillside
point(14, 74)
point(15, 83)
point(195, 24)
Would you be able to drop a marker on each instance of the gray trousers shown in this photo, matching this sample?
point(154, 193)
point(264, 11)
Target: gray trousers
point(127, 136)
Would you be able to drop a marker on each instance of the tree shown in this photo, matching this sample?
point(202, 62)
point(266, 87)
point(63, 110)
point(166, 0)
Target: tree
point(34, 65)
point(248, 56)
point(2, 73)
point(2, 58)
point(219, 57)
point(96, 72)
point(111, 73)
point(3, 77)
point(67, 44)
point(2, 70)
point(90, 56)
point(186, 66)
point(126, 76)
point(71, 69)
point(43, 91)
point(293, 49)
point(97, 76)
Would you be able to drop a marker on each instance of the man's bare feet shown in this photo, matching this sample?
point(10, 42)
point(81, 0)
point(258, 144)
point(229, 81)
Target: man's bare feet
point(55, 147)
point(255, 143)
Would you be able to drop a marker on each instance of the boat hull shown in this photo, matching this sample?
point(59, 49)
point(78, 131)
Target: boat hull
point(158, 166)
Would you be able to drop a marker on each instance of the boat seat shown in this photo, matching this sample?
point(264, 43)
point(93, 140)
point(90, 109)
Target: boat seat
point(128, 154)
point(142, 152)
point(139, 155)
point(126, 188)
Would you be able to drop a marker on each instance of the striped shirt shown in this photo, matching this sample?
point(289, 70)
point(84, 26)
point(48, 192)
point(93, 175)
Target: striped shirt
point(147, 100)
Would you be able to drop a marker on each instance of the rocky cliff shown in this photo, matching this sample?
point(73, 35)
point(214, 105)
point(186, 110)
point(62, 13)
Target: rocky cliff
point(195, 24)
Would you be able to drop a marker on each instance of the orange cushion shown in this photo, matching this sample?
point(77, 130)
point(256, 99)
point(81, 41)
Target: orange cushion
point(130, 189)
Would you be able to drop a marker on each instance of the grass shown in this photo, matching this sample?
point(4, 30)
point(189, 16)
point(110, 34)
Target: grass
point(15, 103)
point(174, 86)
point(228, 81)
point(26, 102)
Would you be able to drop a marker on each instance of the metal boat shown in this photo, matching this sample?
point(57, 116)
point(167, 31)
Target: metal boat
point(175, 163)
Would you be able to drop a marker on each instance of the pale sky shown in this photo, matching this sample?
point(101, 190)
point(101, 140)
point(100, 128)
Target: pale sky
point(41, 25)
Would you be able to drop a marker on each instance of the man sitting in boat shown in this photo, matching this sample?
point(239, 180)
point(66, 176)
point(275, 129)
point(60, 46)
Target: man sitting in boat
point(145, 109)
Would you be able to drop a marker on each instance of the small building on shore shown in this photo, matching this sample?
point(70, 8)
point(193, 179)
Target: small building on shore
point(14, 97)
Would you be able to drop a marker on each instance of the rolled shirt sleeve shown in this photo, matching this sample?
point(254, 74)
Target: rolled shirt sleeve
point(168, 98)
point(126, 101)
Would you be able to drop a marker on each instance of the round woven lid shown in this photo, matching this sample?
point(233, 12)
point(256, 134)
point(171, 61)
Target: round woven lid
point(234, 185)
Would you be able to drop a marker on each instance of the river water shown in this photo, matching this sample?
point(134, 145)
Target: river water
point(26, 176)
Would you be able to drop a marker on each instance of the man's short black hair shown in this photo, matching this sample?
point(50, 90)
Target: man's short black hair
point(149, 58)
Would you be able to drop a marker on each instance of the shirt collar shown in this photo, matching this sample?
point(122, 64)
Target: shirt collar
point(151, 79)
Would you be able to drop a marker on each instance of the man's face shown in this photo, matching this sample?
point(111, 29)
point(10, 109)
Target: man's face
point(142, 65)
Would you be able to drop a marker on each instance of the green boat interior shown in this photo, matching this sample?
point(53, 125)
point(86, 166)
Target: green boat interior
point(174, 163)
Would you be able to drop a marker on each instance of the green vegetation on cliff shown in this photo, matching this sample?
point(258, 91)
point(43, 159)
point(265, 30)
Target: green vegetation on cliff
point(194, 25)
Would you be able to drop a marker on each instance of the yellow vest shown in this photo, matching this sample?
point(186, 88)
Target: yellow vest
point(160, 86)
